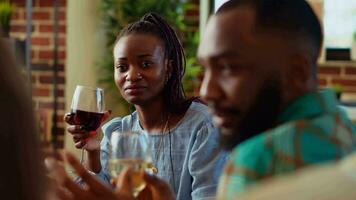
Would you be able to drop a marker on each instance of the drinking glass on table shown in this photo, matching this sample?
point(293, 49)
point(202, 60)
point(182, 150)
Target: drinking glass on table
point(130, 149)
point(87, 109)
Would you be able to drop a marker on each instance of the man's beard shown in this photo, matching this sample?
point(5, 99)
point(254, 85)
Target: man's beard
point(261, 116)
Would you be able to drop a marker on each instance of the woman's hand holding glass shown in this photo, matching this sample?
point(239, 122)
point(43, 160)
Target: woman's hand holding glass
point(129, 149)
point(86, 116)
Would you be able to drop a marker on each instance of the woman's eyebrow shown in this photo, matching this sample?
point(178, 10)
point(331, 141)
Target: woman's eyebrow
point(144, 55)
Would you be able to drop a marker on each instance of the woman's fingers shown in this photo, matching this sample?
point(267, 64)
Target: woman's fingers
point(124, 183)
point(159, 188)
point(77, 129)
point(69, 118)
point(79, 144)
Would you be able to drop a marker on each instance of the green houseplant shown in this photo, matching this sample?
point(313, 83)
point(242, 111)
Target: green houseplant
point(118, 13)
point(338, 89)
point(6, 10)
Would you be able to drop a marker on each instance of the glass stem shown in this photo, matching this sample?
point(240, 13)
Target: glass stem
point(82, 157)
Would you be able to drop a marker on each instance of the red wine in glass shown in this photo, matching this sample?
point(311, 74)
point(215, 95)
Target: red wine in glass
point(89, 120)
point(87, 109)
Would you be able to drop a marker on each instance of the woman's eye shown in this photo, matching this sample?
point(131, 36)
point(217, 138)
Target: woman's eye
point(226, 68)
point(146, 64)
point(121, 67)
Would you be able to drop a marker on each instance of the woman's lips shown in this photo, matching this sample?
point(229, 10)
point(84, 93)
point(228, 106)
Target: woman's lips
point(134, 90)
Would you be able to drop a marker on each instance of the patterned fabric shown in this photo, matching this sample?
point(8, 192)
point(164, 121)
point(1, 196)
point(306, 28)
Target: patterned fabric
point(313, 129)
point(191, 149)
point(334, 180)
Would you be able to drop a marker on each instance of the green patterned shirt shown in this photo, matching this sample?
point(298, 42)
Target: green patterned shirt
point(312, 129)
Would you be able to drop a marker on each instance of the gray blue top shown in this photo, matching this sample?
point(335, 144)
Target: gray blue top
point(196, 157)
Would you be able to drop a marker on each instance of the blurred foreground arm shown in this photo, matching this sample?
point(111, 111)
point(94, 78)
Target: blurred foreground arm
point(67, 189)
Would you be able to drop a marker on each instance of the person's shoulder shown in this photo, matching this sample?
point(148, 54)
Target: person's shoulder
point(199, 111)
point(253, 154)
point(111, 125)
point(116, 123)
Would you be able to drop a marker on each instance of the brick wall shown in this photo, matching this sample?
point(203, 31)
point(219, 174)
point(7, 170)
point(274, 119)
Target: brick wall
point(338, 73)
point(42, 60)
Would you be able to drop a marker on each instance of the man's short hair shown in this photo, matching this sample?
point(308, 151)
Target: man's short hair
point(295, 18)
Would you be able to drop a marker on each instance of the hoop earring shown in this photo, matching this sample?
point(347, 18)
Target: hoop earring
point(166, 80)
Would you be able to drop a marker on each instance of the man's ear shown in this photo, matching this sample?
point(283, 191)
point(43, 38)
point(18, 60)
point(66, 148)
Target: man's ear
point(300, 71)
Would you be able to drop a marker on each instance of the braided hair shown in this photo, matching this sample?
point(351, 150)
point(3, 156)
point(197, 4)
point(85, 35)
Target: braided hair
point(173, 94)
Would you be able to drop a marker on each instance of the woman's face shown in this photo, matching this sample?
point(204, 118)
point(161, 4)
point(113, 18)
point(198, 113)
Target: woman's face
point(140, 68)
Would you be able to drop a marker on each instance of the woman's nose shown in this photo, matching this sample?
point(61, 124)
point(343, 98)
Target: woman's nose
point(133, 75)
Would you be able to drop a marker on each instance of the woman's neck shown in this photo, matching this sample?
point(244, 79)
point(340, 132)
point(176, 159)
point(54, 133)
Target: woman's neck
point(155, 118)
point(152, 116)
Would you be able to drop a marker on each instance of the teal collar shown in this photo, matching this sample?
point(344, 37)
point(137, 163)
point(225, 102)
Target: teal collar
point(309, 105)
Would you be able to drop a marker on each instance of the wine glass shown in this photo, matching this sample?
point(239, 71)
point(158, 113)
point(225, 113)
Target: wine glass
point(87, 109)
point(130, 149)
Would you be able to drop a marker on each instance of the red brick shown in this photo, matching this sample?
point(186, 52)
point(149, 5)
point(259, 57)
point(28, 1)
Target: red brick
point(33, 79)
point(46, 67)
point(16, 16)
point(41, 41)
point(45, 79)
point(322, 82)
point(40, 92)
point(34, 55)
point(50, 55)
point(62, 55)
point(18, 28)
point(60, 93)
point(45, 55)
point(49, 105)
point(344, 82)
point(40, 15)
point(62, 16)
point(350, 70)
point(60, 131)
point(60, 118)
point(44, 3)
point(329, 70)
point(61, 41)
point(19, 3)
point(50, 28)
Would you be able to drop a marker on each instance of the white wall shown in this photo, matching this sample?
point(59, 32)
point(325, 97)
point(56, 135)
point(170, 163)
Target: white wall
point(85, 44)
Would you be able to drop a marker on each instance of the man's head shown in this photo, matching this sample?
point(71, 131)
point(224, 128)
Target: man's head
point(258, 55)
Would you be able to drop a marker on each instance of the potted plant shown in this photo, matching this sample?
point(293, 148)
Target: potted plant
point(6, 10)
point(338, 89)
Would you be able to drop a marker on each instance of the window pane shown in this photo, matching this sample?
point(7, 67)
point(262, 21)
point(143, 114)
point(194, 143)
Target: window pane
point(339, 23)
point(218, 3)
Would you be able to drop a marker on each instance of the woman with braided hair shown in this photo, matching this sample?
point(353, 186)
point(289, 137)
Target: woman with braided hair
point(149, 66)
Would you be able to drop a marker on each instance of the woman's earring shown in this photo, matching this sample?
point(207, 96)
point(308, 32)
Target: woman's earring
point(166, 80)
